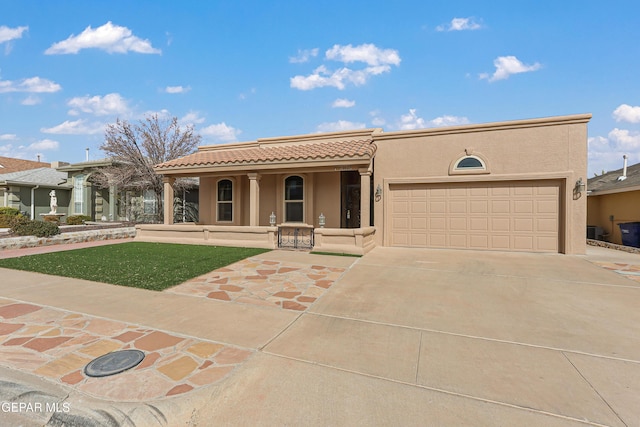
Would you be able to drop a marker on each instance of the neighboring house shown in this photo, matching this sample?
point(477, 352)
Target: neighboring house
point(28, 191)
point(87, 198)
point(510, 186)
point(116, 204)
point(613, 199)
point(9, 165)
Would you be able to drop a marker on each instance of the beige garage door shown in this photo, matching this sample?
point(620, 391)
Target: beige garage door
point(513, 215)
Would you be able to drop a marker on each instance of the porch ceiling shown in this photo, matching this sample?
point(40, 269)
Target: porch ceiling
point(358, 151)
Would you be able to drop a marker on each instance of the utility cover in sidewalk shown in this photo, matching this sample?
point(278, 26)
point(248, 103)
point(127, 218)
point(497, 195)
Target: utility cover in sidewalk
point(113, 363)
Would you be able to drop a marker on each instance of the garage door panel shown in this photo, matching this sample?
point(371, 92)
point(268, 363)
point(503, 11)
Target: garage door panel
point(500, 224)
point(479, 224)
point(523, 207)
point(400, 223)
point(418, 207)
point(500, 207)
point(547, 225)
point(522, 224)
point(437, 224)
point(516, 215)
point(458, 224)
point(457, 207)
point(437, 207)
point(547, 206)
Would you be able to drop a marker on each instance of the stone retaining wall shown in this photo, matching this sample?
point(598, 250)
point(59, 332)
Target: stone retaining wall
point(64, 238)
point(623, 248)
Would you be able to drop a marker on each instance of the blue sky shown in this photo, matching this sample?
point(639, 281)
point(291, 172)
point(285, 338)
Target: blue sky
point(241, 70)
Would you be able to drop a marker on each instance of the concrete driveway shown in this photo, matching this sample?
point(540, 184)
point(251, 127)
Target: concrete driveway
point(429, 337)
point(402, 337)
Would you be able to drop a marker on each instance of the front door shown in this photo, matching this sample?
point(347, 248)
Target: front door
point(350, 192)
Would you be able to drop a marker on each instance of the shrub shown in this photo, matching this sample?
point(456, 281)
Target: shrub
point(27, 227)
point(9, 211)
point(77, 219)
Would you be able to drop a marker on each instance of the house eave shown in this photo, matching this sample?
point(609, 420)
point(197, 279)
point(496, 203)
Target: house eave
point(363, 161)
point(594, 193)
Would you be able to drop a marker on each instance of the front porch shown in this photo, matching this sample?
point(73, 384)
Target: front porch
point(310, 192)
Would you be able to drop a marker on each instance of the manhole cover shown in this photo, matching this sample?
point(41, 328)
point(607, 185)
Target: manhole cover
point(113, 363)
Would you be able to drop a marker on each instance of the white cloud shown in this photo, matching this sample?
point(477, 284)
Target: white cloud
point(627, 113)
point(221, 132)
point(31, 100)
point(340, 125)
point(77, 127)
point(110, 38)
point(625, 139)
point(605, 153)
point(32, 84)
point(412, 121)
point(508, 65)
point(192, 118)
point(8, 34)
point(343, 103)
point(110, 104)
point(448, 121)
point(321, 77)
point(304, 55)
point(378, 60)
point(44, 145)
point(460, 24)
point(177, 89)
point(8, 137)
point(367, 53)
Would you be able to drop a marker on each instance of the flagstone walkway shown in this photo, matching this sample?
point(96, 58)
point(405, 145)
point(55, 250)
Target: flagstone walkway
point(630, 271)
point(284, 284)
point(57, 344)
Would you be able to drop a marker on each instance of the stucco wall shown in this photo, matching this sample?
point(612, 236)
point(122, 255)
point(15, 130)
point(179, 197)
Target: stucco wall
point(554, 148)
point(625, 207)
point(327, 198)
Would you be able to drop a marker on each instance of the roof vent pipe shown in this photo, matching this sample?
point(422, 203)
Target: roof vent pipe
point(87, 156)
point(624, 169)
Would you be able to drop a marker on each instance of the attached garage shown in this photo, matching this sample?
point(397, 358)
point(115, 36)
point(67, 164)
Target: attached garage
point(500, 215)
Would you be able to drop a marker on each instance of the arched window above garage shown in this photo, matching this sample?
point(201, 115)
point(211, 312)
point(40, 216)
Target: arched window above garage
point(469, 164)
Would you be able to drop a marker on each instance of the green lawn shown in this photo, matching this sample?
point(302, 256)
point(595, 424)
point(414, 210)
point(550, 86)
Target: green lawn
point(154, 266)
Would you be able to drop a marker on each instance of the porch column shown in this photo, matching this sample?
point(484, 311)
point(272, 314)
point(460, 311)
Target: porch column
point(168, 199)
point(254, 198)
point(113, 199)
point(365, 196)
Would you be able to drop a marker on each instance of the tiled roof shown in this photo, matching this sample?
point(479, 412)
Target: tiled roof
point(258, 154)
point(9, 164)
point(40, 176)
point(609, 181)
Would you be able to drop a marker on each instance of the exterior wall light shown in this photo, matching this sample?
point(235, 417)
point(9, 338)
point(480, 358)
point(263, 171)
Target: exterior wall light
point(272, 219)
point(321, 220)
point(378, 193)
point(580, 186)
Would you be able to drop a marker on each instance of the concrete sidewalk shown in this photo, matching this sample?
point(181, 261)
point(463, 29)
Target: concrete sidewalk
point(404, 337)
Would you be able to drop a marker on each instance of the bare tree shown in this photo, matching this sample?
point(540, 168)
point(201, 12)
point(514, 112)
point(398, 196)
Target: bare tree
point(135, 148)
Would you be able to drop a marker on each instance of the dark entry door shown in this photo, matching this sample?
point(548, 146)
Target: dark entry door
point(350, 192)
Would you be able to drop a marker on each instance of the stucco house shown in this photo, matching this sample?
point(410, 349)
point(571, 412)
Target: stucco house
point(28, 190)
point(613, 198)
point(509, 186)
point(77, 194)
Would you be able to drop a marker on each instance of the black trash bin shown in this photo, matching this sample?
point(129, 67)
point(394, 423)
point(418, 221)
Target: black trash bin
point(630, 234)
